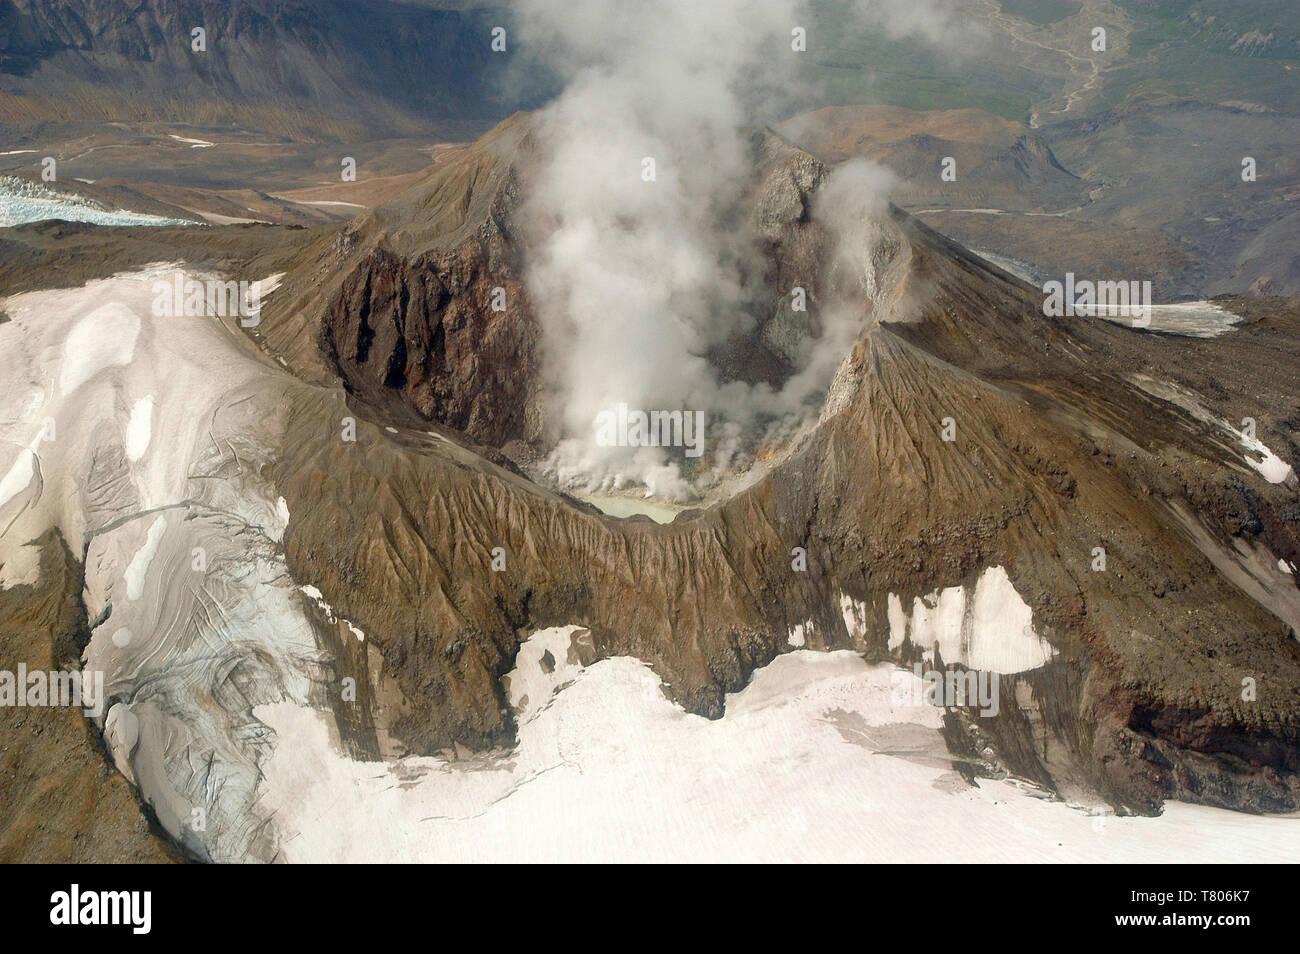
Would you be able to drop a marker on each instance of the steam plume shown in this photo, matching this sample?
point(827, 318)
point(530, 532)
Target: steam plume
point(635, 281)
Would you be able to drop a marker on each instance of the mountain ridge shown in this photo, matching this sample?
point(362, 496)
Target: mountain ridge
point(1059, 451)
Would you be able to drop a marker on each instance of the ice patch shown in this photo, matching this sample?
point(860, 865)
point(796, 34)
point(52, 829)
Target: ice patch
point(796, 637)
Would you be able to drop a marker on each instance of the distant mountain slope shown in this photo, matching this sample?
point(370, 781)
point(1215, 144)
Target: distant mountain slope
point(326, 68)
point(997, 161)
point(1123, 191)
point(1263, 28)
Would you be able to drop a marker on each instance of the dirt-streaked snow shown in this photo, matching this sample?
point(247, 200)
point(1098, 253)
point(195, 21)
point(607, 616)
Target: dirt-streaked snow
point(1190, 319)
point(146, 440)
point(1270, 466)
point(1273, 468)
point(815, 760)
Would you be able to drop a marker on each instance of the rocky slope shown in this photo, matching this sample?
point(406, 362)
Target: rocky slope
point(63, 801)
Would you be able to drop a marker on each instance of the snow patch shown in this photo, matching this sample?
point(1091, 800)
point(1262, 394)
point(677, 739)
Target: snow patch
point(319, 599)
point(1274, 469)
point(19, 476)
point(122, 733)
point(1270, 466)
point(103, 339)
point(855, 617)
point(897, 622)
point(137, 570)
point(139, 429)
point(544, 665)
point(797, 637)
point(21, 567)
point(1192, 319)
point(989, 630)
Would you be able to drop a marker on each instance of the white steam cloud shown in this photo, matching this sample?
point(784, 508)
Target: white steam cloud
point(635, 281)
